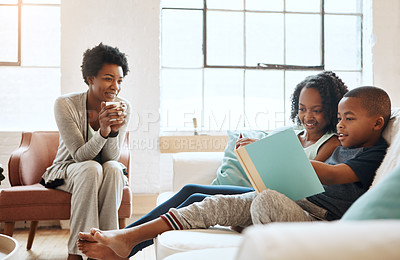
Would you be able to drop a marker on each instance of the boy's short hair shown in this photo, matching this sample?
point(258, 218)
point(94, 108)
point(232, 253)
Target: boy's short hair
point(374, 100)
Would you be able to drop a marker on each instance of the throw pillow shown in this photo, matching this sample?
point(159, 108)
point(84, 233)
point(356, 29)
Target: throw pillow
point(380, 202)
point(231, 172)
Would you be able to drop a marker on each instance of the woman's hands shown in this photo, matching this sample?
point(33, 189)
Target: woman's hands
point(111, 118)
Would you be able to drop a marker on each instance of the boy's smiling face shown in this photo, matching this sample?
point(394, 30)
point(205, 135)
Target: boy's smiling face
point(356, 128)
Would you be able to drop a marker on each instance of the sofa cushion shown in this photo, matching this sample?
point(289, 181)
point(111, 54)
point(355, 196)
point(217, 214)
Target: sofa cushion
point(227, 253)
point(172, 242)
point(392, 137)
point(367, 240)
point(380, 202)
point(231, 172)
point(195, 167)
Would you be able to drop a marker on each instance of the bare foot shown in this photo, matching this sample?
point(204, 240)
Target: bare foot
point(88, 236)
point(116, 240)
point(123, 240)
point(97, 251)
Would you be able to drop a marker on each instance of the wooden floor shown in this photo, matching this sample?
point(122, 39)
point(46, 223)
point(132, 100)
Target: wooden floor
point(51, 244)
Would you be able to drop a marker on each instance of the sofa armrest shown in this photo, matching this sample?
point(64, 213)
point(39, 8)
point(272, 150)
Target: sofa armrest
point(345, 240)
point(195, 168)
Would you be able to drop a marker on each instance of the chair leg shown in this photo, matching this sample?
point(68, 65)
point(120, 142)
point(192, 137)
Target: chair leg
point(122, 223)
point(9, 228)
point(31, 236)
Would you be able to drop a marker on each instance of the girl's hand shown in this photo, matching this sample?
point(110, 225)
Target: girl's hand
point(111, 118)
point(244, 141)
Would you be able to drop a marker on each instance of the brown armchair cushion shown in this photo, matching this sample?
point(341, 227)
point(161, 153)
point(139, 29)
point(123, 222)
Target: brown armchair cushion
point(29, 200)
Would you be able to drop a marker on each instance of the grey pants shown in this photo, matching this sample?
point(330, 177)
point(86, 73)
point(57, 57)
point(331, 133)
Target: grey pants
point(96, 197)
point(246, 209)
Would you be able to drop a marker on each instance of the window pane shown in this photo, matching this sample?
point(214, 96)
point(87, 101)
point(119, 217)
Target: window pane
point(264, 5)
point(292, 78)
point(343, 6)
point(9, 2)
point(303, 39)
point(8, 34)
point(264, 38)
point(182, 3)
point(224, 38)
point(303, 6)
point(260, 99)
point(225, 4)
point(351, 79)
point(264, 99)
point(342, 42)
point(223, 99)
point(41, 1)
point(181, 92)
point(182, 38)
point(41, 36)
point(28, 100)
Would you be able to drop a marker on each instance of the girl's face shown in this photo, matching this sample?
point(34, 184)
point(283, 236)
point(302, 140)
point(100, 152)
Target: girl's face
point(310, 111)
point(107, 84)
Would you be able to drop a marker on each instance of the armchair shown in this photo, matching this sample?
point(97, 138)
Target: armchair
point(28, 200)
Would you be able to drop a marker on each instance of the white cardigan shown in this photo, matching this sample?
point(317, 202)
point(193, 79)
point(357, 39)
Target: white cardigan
point(71, 117)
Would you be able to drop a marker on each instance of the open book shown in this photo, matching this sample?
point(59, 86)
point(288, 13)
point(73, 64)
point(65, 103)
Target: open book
point(278, 162)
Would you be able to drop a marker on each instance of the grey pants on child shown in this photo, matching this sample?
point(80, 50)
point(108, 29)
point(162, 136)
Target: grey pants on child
point(246, 209)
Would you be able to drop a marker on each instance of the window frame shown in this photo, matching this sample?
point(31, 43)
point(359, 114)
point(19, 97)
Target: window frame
point(266, 65)
point(263, 66)
point(19, 4)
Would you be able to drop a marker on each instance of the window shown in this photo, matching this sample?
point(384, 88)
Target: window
point(233, 64)
point(29, 63)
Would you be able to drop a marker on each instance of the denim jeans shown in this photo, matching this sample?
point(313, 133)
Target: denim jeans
point(187, 195)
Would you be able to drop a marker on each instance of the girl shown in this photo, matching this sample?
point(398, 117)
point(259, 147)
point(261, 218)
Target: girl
point(314, 108)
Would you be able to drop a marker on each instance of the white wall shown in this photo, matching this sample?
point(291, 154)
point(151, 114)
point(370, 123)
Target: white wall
point(386, 52)
point(132, 26)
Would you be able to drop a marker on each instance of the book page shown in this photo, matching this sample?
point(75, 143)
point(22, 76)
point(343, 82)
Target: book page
point(279, 160)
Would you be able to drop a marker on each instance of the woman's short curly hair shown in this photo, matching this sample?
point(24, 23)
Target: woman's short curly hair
point(94, 59)
point(330, 87)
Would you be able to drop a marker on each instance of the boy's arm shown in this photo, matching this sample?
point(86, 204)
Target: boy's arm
point(334, 174)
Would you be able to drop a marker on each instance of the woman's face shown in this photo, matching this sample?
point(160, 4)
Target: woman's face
point(107, 84)
point(311, 113)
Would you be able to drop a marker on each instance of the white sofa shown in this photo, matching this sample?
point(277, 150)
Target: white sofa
point(373, 239)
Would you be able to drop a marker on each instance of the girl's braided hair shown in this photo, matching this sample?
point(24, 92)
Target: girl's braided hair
point(330, 87)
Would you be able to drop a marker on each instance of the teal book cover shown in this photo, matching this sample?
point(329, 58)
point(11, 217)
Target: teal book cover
point(278, 162)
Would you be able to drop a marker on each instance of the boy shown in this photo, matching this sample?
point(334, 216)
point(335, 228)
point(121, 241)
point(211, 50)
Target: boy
point(363, 114)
